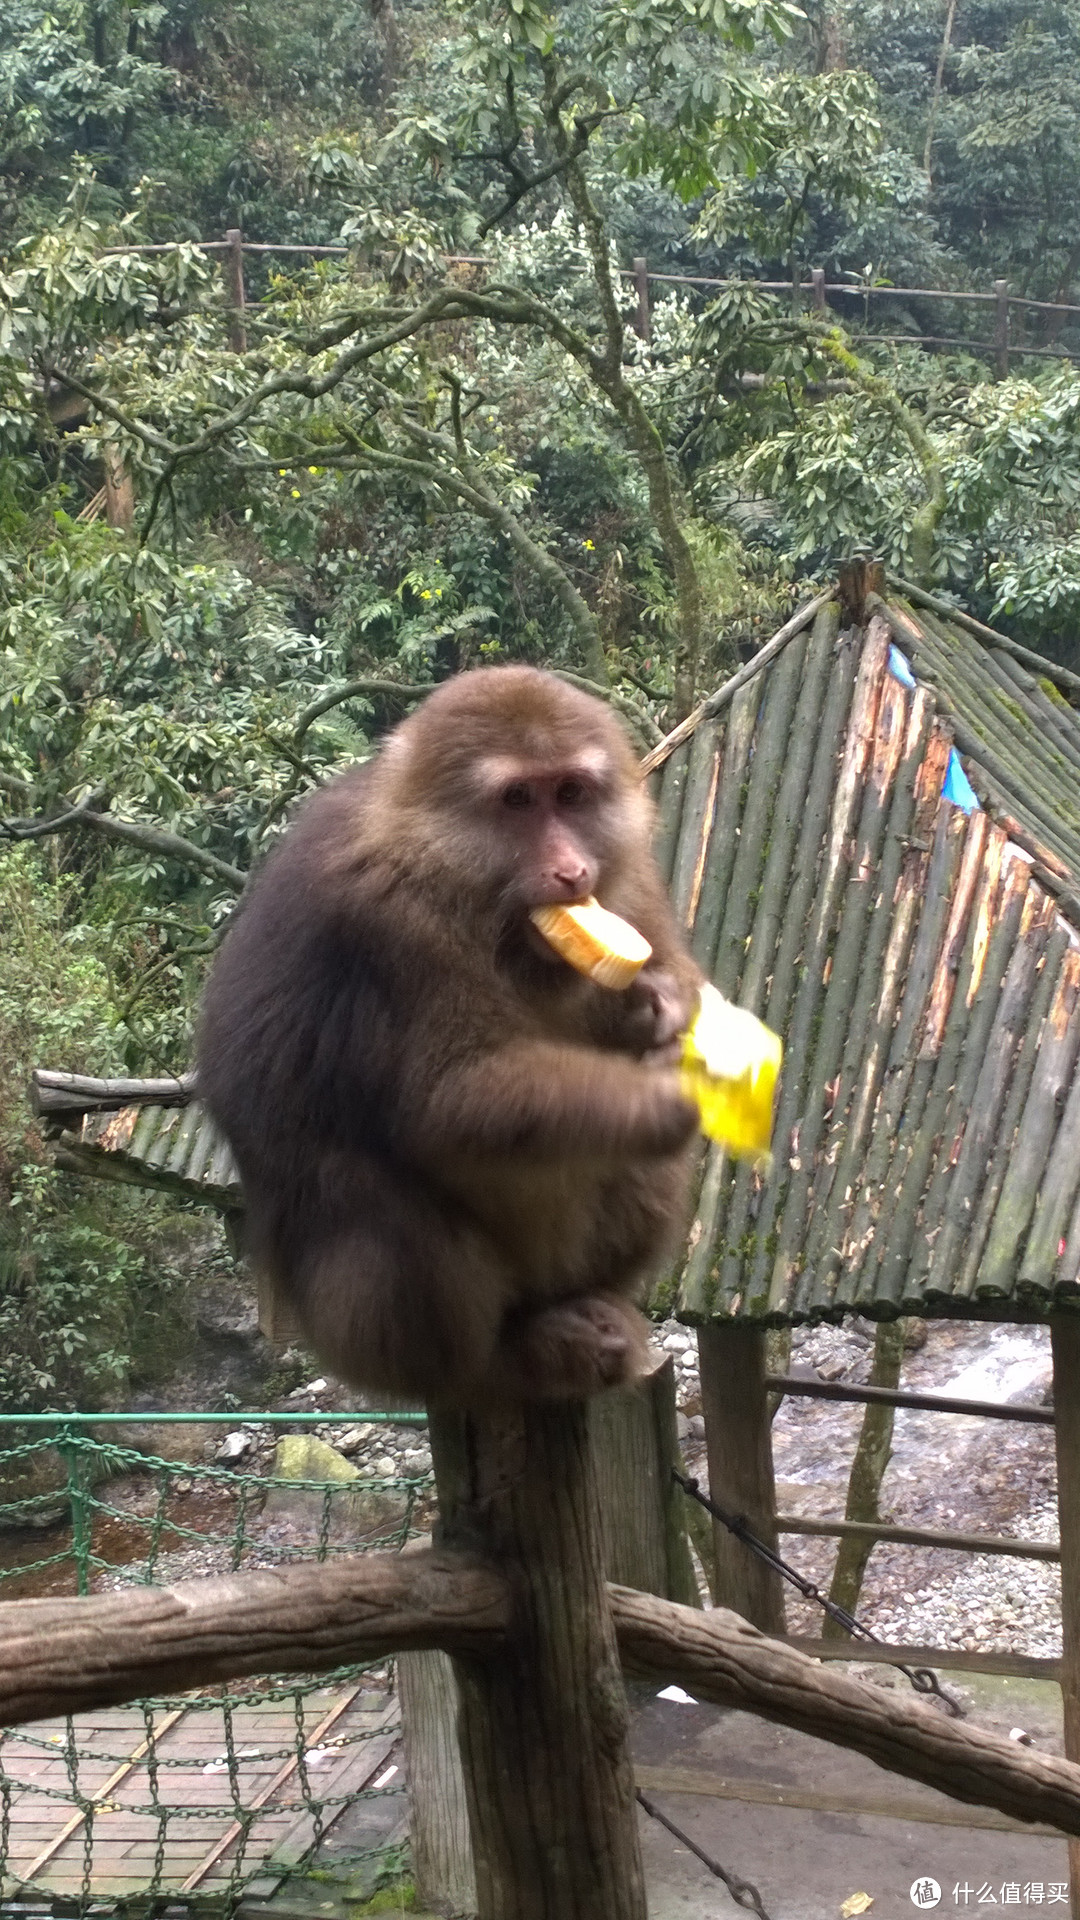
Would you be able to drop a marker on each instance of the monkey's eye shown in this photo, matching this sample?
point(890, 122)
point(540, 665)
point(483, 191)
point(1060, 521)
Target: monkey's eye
point(571, 793)
point(517, 795)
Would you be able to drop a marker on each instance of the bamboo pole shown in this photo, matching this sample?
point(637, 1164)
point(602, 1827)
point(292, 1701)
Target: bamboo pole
point(669, 810)
point(969, 1281)
point(855, 980)
point(801, 1050)
point(771, 743)
point(944, 1032)
point(876, 995)
point(1048, 669)
point(1036, 1128)
point(727, 815)
point(840, 667)
point(862, 1243)
point(695, 826)
point(717, 701)
point(985, 996)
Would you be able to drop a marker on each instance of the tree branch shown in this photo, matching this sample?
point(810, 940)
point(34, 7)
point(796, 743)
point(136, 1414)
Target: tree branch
point(71, 1656)
point(476, 493)
point(358, 689)
point(133, 833)
point(642, 722)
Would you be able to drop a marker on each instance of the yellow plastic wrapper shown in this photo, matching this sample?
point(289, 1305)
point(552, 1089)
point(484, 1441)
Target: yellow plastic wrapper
point(730, 1066)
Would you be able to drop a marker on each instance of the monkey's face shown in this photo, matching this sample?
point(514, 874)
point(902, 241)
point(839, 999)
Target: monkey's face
point(520, 791)
point(547, 832)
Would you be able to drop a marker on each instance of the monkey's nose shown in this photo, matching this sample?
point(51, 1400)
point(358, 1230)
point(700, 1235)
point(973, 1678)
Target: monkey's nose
point(573, 880)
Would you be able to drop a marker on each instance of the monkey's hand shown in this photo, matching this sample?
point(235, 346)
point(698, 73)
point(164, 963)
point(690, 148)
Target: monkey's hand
point(656, 1013)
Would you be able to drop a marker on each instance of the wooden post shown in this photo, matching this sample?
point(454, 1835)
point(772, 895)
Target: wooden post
point(232, 272)
point(1001, 329)
point(817, 278)
point(643, 1525)
point(439, 1841)
point(1065, 1337)
point(642, 1512)
point(642, 322)
point(544, 1721)
point(738, 1434)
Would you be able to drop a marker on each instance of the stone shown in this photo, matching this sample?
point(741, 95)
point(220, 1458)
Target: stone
point(356, 1509)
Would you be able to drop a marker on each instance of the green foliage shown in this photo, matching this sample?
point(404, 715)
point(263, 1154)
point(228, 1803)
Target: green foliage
point(78, 1289)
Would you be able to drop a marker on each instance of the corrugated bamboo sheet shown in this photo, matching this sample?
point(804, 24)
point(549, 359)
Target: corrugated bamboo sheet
point(176, 1148)
point(927, 1138)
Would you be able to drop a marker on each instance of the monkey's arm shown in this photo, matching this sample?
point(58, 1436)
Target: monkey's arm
point(535, 1099)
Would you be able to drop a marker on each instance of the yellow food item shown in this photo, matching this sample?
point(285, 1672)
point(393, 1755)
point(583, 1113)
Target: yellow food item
point(594, 941)
point(730, 1065)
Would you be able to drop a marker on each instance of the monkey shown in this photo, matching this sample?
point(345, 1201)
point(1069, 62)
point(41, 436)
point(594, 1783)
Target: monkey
point(460, 1158)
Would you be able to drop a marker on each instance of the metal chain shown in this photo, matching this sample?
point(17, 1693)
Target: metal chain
point(743, 1892)
point(923, 1679)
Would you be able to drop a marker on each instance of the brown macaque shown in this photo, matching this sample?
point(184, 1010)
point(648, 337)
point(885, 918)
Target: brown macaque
point(460, 1158)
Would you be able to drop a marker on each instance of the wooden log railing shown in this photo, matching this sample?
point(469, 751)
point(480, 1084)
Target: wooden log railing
point(68, 1656)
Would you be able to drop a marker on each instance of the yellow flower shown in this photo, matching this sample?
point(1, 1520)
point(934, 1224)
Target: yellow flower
point(296, 493)
point(588, 546)
point(426, 594)
point(314, 469)
point(282, 471)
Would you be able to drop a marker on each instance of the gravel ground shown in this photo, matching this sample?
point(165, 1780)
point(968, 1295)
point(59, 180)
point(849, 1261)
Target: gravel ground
point(947, 1471)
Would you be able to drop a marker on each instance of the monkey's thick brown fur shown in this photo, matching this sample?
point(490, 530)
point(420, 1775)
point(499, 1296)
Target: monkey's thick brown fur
point(459, 1158)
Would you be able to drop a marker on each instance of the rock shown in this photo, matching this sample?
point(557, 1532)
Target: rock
point(682, 1426)
point(234, 1446)
point(357, 1509)
point(696, 1424)
point(416, 1461)
point(231, 1321)
point(385, 1467)
point(351, 1439)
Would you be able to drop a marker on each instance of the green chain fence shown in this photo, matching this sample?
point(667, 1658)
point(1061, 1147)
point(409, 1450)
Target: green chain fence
point(211, 1801)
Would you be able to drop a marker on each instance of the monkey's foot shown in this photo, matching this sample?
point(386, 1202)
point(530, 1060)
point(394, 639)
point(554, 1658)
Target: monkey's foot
point(573, 1348)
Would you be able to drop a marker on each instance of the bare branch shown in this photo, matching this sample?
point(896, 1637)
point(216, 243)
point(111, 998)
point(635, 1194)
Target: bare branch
point(134, 833)
point(642, 722)
point(354, 690)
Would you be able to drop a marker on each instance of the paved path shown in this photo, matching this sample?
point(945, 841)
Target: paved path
point(166, 1812)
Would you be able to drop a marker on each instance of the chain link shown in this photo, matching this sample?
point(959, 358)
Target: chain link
point(923, 1679)
point(237, 1497)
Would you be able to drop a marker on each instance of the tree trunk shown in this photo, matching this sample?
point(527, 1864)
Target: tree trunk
point(543, 1722)
point(872, 1456)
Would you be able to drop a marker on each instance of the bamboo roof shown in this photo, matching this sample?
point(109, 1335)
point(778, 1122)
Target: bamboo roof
point(927, 1136)
point(921, 960)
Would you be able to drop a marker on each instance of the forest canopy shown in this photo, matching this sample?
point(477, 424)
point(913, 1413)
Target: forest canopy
point(237, 540)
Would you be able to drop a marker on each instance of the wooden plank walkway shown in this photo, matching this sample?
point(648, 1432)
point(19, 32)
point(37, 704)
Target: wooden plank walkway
point(193, 1838)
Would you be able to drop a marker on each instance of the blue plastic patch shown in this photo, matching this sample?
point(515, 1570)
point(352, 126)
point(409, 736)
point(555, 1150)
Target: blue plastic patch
point(957, 787)
point(899, 668)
